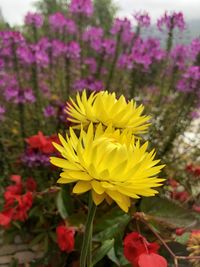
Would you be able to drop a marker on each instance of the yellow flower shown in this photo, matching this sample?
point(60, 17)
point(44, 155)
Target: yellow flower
point(109, 163)
point(194, 247)
point(105, 108)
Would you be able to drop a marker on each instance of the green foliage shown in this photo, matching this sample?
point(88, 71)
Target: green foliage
point(102, 250)
point(105, 11)
point(169, 213)
point(48, 7)
point(111, 225)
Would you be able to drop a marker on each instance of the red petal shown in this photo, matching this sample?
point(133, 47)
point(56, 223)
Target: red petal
point(16, 178)
point(151, 260)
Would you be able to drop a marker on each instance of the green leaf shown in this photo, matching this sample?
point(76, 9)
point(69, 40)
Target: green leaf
point(46, 243)
point(77, 219)
point(61, 205)
point(112, 256)
point(195, 189)
point(102, 251)
point(183, 239)
point(37, 239)
point(15, 223)
point(14, 263)
point(114, 229)
point(53, 237)
point(108, 219)
point(168, 213)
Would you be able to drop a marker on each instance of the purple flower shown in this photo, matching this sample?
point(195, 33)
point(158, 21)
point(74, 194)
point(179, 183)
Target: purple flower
point(58, 22)
point(40, 55)
point(179, 55)
point(25, 54)
point(171, 21)
point(91, 63)
point(2, 112)
point(145, 53)
point(15, 95)
point(195, 114)
point(124, 62)
point(70, 26)
point(58, 48)
point(94, 36)
point(108, 45)
point(72, 50)
point(49, 111)
point(11, 93)
point(88, 83)
point(34, 19)
point(194, 48)
point(84, 7)
point(143, 19)
point(123, 27)
point(190, 80)
point(1, 64)
point(28, 96)
point(35, 159)
point(45, 89)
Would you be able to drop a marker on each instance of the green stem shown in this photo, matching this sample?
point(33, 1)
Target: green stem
point(85, 259)
point(20, 105)
point(114, 62)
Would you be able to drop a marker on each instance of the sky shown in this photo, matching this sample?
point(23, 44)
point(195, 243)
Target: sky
point(14, 10)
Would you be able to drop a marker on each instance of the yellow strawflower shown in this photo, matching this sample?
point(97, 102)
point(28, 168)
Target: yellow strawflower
point(108, 162)
point(194, 247)
point(105, 108)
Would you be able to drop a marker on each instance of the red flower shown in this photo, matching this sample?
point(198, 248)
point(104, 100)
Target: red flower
point(24, 204)
point(42, 143)
point(180, 231)
point(5, 218)
point(173, 183)
point(65, 238)
point(17, 187)
point(137, 248)
point(151, 260)
point(16, 204)
point(196, 208)
point(195, 170)
point(181, 196)
point(31, 184)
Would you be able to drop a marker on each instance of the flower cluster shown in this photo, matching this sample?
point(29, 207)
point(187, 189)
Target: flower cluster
point(194, 247)
point(143, 19)
point(142, 253)
point(190, 80)
point(65, 238)
point(39, 150)
point(18, 200)
point(177, 191)
point(34, 19)
point(171, 21)
point(193, 169)
point(83, 7)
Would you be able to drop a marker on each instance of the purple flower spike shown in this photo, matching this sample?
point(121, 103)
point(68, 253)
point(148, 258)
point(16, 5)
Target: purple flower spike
point(143, 19)
point(83, 7)
point(49, 111)
point(34, 19)
point(171, 21)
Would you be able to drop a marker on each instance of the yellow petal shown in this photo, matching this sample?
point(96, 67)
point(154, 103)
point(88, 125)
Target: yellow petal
point(98, 199)
point(81, 187)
